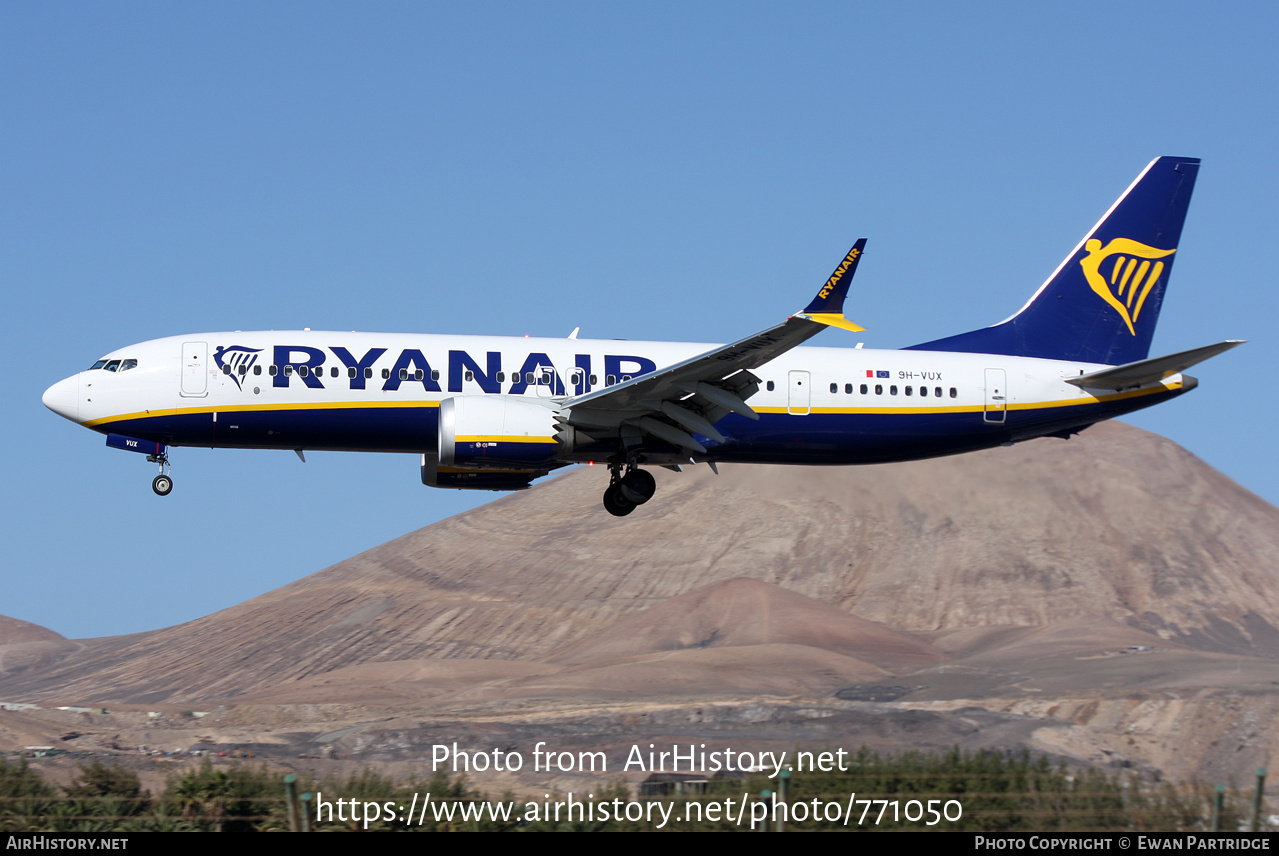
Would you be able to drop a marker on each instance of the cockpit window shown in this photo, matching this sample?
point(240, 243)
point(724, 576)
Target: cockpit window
point(114, 365)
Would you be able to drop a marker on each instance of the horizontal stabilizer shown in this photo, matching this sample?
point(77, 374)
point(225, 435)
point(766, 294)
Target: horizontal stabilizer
point(1153, 369)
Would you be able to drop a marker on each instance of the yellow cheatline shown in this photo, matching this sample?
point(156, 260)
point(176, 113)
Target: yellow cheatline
point(1092, 399)
point(516, 438)
point(246, 408)
point(338, 405)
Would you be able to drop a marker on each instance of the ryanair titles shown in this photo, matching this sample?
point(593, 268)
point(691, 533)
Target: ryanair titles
point(848, 261)
point(318, 368)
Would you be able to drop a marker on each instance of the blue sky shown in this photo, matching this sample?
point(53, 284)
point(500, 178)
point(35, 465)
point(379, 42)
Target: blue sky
point(685, 171)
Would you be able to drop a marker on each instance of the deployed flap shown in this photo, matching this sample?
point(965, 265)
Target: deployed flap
point(1153, 369)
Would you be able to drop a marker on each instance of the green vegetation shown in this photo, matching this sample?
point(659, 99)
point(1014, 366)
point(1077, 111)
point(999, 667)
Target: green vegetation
point(988, 791)
point(24, 796)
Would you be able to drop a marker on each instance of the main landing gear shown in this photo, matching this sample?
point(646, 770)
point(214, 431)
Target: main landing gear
point(625, 492)
point(163, 483)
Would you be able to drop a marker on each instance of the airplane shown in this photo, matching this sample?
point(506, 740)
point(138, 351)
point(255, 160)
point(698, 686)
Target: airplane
point(496, 413)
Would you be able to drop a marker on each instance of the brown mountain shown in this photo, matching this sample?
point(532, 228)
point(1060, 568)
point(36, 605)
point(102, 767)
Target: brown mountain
point(24, 645)
point(1116, 526)
point(743, 612)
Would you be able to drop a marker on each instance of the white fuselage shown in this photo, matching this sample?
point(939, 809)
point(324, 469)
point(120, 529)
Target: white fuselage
point(380, 392)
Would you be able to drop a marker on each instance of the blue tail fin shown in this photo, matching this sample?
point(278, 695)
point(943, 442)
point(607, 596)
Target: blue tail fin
point(1102, 302)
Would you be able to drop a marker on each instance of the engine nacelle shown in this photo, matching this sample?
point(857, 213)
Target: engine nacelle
point(483, 432)
point(433, 475)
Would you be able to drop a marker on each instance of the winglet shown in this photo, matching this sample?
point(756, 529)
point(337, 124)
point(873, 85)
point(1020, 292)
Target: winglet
point(828, 306)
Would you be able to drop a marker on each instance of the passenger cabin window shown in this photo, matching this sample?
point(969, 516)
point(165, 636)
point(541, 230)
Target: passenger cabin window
point(288, 371)
point(303, 371)
point(226, 368)
point(257, 370)
point(834, 387)
point(909, 390)
point(594, 380)
point(923, 392)
point(419, 374)
point(350, 371)
point(386, 374)
point(242, 369)
point(435, 374)
point(770, 385)
point(333, 372)
point(892, 390)
point(879, 389)
point(863, 389)
point(272, 371)
point(404, 374)
point(954, 393)
point(501, 377)
point(848, 389)
point(368, 373)
point(610, 380)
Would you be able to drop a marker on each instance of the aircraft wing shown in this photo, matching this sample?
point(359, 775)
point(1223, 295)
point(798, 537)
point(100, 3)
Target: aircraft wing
point(677, 401)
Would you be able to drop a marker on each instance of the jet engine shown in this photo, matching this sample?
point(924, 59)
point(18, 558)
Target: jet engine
point(486, 432)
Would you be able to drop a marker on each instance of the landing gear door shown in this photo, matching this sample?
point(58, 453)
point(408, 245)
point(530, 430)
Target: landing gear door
point(195, 369)
point(800, 401)
point(996, 396)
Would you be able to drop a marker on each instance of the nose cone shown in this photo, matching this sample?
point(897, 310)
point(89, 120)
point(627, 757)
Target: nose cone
point(63, 398)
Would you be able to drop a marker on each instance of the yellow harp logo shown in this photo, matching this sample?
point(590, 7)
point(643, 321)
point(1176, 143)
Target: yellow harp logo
point(1132, 274)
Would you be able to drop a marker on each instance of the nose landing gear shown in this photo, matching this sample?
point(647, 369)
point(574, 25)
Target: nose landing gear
point(163, 483)
point(156, 452)
point(626, 492)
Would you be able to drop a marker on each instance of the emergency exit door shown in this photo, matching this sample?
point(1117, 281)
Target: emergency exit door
point(996, 396)
point(800, 399)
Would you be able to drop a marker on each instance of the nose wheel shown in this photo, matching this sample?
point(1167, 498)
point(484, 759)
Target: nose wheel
point(163, 483)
